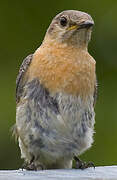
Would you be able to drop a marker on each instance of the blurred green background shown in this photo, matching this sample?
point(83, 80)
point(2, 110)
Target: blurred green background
point(23, 24)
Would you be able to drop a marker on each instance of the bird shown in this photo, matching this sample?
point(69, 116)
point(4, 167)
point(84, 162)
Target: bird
point(56, 91)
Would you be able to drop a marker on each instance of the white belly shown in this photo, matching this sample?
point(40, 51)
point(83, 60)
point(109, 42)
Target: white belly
point(48, 133)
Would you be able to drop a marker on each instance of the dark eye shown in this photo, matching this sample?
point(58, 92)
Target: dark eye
point(63, 21)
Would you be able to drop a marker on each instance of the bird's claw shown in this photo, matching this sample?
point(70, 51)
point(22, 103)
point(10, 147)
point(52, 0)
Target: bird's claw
point(29, 167)
point(82, 165)
point(32, 167)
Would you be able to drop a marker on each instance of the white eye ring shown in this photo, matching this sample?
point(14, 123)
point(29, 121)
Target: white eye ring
point(63, 21)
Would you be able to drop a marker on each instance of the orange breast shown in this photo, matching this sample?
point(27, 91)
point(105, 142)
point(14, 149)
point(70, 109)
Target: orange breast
point(64, 69)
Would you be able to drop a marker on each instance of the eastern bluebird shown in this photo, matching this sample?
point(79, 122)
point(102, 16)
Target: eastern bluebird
point(55, 95)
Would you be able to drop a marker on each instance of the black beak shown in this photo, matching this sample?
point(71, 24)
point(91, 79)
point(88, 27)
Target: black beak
point(86, 24)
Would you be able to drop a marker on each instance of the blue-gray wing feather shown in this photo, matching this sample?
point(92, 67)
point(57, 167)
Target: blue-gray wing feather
point(19, 81)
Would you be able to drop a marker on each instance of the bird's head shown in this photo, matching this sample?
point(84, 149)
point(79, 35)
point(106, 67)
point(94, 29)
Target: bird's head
point(71, 27)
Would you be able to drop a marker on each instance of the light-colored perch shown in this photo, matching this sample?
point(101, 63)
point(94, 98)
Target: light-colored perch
point(99, 173)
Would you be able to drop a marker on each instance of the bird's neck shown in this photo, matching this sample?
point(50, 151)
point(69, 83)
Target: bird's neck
point(74, 42)
point(78, 39)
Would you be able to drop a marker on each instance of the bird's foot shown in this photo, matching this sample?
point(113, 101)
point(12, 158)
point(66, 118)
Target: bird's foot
point(82, 165)
point(32, 166)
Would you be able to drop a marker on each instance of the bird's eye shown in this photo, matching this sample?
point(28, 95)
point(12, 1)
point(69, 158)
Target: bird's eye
point(63, 21)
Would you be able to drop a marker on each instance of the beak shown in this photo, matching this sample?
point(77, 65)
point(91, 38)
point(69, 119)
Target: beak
point(86, 24)
point(72, 27)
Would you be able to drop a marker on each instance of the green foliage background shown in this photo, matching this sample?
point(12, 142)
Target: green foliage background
point(23, 24)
